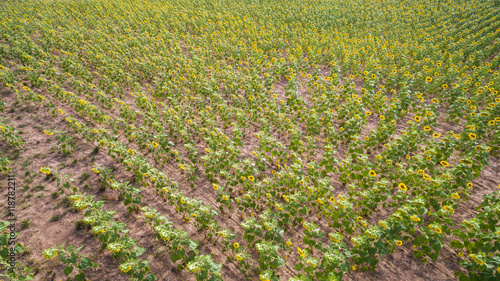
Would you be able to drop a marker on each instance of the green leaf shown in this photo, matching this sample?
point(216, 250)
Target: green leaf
point(215, 267)
point(382, 249)
point(177, 255)
point(144, 264)
point(85, 263)
point(3, 225)
point(215, 277)
point(78, 249)
point(19, 248)
point(192, 244)
point(433, 256)
point(72, 259)
point(63, 258)
point(299, 266)
point(456, 244)
point(281, 262)
point(80, 277)
point(68, 269)
point(139, 251)
point(4, 253)
point(469, 245)
point(3, 240)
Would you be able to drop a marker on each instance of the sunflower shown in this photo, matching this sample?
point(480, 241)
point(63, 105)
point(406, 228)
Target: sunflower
point(382, 224)
point(469, 185)
point(125, 267)
point(444, 163)
point(300, 252)
point(428, 79)
point(399, 243)
point(427, 128)
point(49, 253)
point(416, 118)
point(251, 178)
point(372, 173)
point(403, 187)
point(305, 226)
point(236, 245)
point(45, 170)
point(472, 136)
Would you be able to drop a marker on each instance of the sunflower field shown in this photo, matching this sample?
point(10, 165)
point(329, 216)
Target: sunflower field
point(250, 140)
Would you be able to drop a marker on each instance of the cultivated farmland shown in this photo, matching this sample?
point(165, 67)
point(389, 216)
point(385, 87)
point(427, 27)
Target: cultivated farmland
point(249, 140)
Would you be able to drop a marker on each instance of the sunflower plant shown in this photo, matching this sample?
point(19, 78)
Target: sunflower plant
point(68, 256)
point(18, 271)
